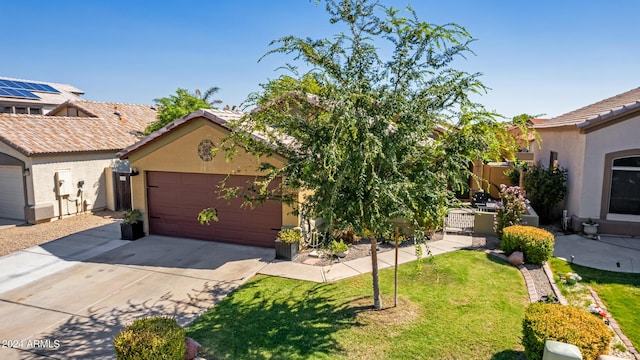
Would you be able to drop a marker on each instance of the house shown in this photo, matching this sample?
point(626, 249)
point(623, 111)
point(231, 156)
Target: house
point(598, 145)
point(34, 97)
point(179, 177)
point(53, 166)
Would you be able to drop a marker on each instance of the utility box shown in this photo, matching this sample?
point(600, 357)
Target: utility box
point(64, 184)
point(555, 350)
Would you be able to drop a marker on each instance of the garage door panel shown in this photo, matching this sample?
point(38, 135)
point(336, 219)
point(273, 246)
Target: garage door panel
point(11, 192)
point(176, 199)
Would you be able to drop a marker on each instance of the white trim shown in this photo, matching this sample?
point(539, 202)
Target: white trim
point(623, 217)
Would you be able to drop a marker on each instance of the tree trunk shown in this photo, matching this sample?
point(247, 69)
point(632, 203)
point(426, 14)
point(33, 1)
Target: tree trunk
point(377, 300)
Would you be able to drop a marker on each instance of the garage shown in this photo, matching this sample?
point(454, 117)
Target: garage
point(175, 199)
point(11, 192)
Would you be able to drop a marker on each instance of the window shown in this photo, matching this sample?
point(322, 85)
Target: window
point(553, 160)
point(625, 186)
point(35, 111)
point(20, 110)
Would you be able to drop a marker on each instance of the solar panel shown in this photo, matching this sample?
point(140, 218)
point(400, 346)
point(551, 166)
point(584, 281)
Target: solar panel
point(17, 93)
point(23, 85)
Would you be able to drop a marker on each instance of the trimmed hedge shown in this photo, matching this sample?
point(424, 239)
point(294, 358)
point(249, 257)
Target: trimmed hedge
point(151, 338)
point(536, 244)
point(566, 324)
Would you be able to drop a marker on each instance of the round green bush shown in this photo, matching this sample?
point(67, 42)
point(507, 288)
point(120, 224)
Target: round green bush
point(152, 338)
point(566, 324)
point(536, 244)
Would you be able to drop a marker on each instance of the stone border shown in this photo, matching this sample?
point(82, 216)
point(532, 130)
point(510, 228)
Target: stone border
point(614, 325)
point(554, 286)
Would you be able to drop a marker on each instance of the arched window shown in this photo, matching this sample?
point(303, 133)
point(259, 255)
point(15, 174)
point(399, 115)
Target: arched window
point(625, 186)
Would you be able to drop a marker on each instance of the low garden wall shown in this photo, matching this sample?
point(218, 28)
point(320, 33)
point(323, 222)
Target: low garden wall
point(484, 221)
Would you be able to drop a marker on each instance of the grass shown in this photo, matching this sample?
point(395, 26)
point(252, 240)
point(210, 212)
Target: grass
point(620, 293)
point(466, 306)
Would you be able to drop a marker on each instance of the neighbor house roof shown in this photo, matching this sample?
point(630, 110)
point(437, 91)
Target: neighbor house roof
point(599, 113)
point(132, 117)
point(101, 131)
point(67, 92)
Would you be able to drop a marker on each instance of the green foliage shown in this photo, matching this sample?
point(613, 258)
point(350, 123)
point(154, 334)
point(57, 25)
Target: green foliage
point(536, 244)
point(131, 216)
point(512, 206)
point(207, 215)
point(464, 315)
point(176, 106)
point(152, 338)
point(619, 291)
point(545, 188)
point(371, 136)
point(565, 324)
point(338, 247)
point(290, 235)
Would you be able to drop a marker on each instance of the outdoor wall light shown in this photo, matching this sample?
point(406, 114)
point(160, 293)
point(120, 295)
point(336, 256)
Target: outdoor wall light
point(134, 171)
point(26, 172)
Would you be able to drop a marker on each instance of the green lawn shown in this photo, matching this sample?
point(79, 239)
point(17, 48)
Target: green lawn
point(620, 293)
point(467, 306)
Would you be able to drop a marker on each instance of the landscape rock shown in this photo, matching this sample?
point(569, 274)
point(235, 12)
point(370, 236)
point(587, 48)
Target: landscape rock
point(192, 347)
point(517, 258)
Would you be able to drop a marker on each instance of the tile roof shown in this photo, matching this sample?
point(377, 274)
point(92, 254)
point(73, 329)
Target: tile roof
point(132, 117)
point(67, 92)
point(598, 112)
point(220, 117)
point(41, 134)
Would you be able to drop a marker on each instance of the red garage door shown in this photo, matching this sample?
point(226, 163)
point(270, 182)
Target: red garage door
point(175, 199)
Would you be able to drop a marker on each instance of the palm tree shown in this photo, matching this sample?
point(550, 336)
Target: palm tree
point(207, 94)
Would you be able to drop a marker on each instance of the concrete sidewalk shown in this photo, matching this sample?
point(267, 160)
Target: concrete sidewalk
point(346, 269)
point(612, 253)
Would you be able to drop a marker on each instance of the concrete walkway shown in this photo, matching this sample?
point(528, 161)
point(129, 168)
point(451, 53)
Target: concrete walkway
point(612, 253)
point(342, 270)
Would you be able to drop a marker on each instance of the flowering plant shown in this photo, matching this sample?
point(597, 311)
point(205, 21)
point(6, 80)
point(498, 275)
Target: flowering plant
point(572, 278)
point(510, 208)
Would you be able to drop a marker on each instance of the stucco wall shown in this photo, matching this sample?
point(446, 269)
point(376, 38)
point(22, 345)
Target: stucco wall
point(617, 137)
point(178, 152)
point(569, 144)
point(88, 168)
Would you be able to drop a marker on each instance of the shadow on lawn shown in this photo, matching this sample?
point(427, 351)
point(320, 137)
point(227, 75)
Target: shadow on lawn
point(267, 325)
point(509, 355)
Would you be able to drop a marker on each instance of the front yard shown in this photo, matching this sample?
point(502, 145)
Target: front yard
point(620, 293)
point(464, 305)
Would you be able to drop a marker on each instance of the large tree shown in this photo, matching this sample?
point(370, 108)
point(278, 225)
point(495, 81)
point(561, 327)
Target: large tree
point(388, 134)
point(182, 103)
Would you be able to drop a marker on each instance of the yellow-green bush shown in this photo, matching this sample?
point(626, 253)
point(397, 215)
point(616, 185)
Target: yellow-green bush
point(152, 338)
point(535, 243)
point(566, 324)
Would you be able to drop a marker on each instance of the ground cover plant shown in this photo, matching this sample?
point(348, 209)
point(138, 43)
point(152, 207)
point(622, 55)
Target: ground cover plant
point(620, 293)
point(465, 306)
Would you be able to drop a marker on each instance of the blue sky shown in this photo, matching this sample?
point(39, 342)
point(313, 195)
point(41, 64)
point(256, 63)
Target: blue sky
point(538, 57)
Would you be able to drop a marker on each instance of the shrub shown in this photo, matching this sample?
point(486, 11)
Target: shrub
point(511, 207)
point(566, 324)
point(290, 235)
point(338, 247)
point(545, 188)
point(536, 244)
point(151, 338)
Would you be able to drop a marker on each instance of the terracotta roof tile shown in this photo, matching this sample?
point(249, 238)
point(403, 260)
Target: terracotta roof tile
point(40, 134)
point(600, 110)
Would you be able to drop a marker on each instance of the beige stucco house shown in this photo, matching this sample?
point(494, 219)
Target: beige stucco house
point(599, 145)
point(60, 164)
point(179, 177)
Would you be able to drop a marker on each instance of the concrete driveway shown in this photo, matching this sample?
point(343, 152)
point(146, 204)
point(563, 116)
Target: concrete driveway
point(75, 312)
